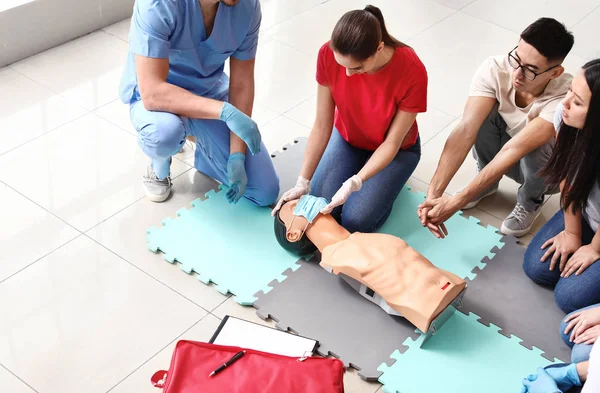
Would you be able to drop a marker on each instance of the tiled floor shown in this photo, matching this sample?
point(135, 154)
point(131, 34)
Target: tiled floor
point(85, 306)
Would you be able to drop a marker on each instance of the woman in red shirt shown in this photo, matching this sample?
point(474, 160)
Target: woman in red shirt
point(364, 144)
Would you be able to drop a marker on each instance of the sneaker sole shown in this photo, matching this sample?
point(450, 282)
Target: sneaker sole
point(158, 198)
point(474, 203)
point(522, 232)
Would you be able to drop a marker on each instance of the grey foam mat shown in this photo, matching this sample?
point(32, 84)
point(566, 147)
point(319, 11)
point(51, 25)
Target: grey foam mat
point(288, 163)
point(502, 294)
point(315, 303)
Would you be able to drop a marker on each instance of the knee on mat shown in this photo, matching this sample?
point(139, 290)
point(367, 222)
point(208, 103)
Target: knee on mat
point(165, 137)
point(358, 222)
point(569, 298)
point(265, 192)
point(533, 267)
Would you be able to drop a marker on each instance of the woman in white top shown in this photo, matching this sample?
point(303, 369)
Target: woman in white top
point(565, 252)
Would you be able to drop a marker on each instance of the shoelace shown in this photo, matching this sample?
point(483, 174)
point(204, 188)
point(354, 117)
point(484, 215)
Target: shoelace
point(151, 177)
point(519, 213)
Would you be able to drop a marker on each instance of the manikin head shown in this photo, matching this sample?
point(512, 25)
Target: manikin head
point(538, 57)
point(576, 155)
point(359, 38)
point(293, 240)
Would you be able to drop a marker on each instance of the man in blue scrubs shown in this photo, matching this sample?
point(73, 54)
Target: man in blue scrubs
point(175, 86)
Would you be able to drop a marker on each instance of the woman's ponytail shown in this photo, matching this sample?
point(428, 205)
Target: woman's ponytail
point(385, 35)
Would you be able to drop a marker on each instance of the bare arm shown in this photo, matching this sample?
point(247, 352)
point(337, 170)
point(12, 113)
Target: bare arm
point(537, 133)
point(460, 141)
point(241, 95)
point(386, 152)
point(572, 220)
point(320, 133)
point(159, 95)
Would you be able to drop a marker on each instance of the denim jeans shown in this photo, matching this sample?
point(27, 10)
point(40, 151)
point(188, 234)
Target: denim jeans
point(574, 292)
point(580, 352)
point(367, 209)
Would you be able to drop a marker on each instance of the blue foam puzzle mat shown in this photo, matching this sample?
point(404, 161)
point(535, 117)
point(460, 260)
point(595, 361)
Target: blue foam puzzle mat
point(467, 243)
point(232, 246)
point(463, 357)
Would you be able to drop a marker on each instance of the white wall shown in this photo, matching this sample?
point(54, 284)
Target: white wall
point(42, 24)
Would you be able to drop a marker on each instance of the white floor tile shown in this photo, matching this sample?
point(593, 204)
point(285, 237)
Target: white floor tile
point(12, 384)
point(282, 131)
point(456, 4)
point(304, 113)
point(586, 36)
point(117, 113)
point(85, 318)
point(452, 51)
point(29, 233)
point(353, 383)
point(516, 15)
point(90, 77)
point(139, 381)
point(285, 77)
point(277, 11)
point(120, 29)
point(404, 19)
point(84, 172)
point(28, 110)
point(125, 234)
point(432, 123)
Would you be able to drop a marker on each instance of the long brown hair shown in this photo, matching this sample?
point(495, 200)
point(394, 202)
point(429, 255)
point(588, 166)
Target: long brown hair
point(576, 154)
point(359, 32)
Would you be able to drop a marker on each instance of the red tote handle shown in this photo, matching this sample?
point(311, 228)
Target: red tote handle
point(159, 378)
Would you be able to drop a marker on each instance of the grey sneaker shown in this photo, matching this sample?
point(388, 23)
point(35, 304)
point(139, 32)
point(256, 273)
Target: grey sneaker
point(474, 202)
point(156, 190)
point(520, 220)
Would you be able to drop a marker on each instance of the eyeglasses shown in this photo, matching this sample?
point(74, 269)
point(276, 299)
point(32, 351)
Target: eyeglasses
point(528, 73)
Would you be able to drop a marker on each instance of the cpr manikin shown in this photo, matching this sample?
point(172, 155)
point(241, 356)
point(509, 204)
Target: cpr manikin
point(385, 268)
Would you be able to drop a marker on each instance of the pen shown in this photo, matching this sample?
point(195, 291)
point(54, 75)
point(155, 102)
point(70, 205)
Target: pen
point(229, 363)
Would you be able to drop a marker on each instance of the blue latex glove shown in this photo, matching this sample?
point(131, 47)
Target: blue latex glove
point(241, 125)
point(565, 375)
point(236, 173)
point(541, 382)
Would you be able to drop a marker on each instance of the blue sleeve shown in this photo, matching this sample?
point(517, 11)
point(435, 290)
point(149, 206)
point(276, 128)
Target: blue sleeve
point(152, 24)
point(247, 50)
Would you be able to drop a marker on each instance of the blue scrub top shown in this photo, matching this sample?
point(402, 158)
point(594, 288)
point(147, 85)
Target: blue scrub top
point(174, 29)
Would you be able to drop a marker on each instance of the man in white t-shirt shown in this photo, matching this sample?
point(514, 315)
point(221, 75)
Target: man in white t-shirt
point(507, 122)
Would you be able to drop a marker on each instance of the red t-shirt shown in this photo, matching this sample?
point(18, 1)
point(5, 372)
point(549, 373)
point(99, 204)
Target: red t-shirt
point(367, 103)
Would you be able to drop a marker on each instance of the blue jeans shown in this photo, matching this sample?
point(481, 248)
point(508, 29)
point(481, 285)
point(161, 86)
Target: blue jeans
point(367, 209)
point(161, 135)
point(580, 352)
point(574, 292)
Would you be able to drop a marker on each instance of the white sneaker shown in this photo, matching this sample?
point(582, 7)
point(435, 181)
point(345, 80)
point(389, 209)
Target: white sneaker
point(519, 221)
point(474, 202)
point(156, 190)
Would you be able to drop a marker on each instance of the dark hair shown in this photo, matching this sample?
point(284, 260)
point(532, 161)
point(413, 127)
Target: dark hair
point(359, 32)
point(576, 155)
point(550, 38)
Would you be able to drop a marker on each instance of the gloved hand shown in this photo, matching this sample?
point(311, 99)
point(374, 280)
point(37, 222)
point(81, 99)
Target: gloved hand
point(236, 174)
point(341, 196)
point(541, 382)
point(241, 125)
point(302, 187)
point(565, 375)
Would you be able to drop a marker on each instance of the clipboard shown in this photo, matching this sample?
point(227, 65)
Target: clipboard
point(245, 334)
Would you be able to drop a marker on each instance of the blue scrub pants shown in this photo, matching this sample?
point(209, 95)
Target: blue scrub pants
point(161, 135)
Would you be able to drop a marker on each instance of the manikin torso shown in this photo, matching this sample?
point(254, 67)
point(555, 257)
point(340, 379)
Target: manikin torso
point(407, 281)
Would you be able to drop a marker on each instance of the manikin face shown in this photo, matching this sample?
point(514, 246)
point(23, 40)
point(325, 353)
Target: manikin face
point(354, 66)
point(532, 62)
point(577, 102)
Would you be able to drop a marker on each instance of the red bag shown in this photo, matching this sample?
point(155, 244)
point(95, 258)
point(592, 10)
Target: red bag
point(255, 372)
